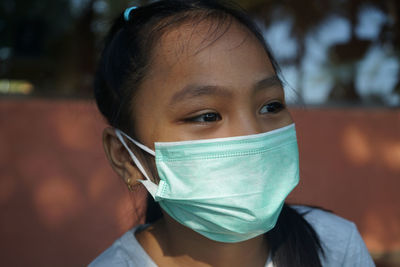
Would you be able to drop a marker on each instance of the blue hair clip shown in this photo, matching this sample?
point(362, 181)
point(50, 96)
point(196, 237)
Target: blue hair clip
point(127, 12)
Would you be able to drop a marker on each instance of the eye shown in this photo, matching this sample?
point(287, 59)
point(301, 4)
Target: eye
point(206, 117)
point(272, 107)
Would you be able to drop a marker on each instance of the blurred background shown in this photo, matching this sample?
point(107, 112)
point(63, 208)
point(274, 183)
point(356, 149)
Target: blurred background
point(60, 202)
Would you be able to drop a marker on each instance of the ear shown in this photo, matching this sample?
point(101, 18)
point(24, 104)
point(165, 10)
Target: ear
point(119, 158)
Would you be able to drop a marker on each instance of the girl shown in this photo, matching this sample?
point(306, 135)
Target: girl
point(199, 119)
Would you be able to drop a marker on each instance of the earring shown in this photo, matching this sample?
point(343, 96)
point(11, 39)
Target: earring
point(128, 183)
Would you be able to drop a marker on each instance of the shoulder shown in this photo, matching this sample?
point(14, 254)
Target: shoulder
point(124, 252)
point(326, 222)
point(340, 239)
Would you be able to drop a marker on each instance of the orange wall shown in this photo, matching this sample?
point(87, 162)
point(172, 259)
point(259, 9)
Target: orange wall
point(61, 204)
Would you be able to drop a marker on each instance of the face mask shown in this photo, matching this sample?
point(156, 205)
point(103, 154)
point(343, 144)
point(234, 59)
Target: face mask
point(227, 189)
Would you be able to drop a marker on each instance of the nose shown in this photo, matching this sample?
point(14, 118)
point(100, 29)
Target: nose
point(245, 123)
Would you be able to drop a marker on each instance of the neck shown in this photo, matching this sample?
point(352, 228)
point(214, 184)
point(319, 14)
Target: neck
point(178, 245)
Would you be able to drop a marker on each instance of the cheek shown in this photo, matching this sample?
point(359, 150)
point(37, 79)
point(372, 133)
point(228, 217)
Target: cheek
point(145, 117)
point(153, 125)
point(275, 122)
point(286, 118)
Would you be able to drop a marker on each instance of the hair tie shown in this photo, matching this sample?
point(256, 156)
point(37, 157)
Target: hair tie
point(128, 11)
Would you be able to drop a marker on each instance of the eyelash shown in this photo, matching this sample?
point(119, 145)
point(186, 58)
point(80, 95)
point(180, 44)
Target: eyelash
point(205, 118)
point(276, 105)
point(211, 117)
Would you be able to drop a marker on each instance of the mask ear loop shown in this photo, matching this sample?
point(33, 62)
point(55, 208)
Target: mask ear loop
point(150, 186)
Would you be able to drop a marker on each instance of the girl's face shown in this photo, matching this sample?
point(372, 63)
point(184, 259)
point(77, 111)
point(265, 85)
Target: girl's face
point(198, 88)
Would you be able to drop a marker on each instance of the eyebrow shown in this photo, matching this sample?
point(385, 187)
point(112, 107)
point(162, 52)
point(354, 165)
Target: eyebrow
point(268, 82)
point(191, 91)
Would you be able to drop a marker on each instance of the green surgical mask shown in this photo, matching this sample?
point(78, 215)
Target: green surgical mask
point(227, 189)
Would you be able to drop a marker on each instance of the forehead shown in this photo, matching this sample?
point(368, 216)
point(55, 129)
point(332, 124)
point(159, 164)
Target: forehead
point(193, 37)
point(206, 48)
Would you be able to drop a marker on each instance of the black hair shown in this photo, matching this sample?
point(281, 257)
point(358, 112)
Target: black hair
point(123, 65)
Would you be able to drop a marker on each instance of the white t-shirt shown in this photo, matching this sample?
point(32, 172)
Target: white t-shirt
point(340, 239)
